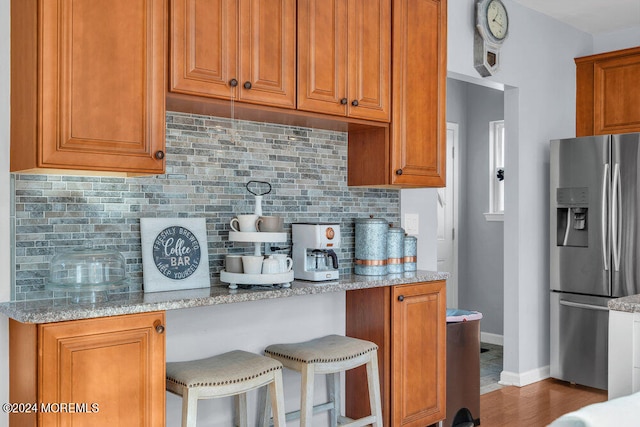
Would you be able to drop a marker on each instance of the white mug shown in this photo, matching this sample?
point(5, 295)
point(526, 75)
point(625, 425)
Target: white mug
point(270, 266)
point(244, 223)
point(285, 262)
point(252, 264)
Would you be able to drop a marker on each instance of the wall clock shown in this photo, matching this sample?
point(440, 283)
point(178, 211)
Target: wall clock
point(492, 28)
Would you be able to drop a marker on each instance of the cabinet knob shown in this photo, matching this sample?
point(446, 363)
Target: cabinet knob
point(401, 298)
point(159, 155)
point(343, 101)
point(354, 102)
point(398, 171)
point(159, 326)
point(247, 85)
point(233, 83)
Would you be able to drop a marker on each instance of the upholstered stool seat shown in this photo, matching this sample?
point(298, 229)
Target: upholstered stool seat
point(229, 374)
point(330, 355)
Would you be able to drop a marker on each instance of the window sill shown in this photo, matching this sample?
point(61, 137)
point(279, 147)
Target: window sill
point(491, 216)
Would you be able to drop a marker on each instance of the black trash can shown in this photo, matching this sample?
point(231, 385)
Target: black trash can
point(463, 368)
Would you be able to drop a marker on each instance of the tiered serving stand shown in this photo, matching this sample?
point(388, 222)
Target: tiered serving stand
point(257, 237)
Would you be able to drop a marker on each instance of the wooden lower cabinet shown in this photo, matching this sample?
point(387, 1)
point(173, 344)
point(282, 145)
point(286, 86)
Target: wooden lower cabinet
point(96, 372)
point(408, 322)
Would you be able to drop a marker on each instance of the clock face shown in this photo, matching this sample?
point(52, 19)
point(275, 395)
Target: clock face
point(497, 19)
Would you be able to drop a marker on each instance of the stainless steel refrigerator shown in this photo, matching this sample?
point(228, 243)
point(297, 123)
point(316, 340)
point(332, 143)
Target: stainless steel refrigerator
point(595, 244)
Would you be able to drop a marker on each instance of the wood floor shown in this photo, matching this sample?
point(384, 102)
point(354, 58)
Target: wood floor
point(535, 405)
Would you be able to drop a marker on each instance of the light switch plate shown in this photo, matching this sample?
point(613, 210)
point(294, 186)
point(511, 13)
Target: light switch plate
point(411, 223)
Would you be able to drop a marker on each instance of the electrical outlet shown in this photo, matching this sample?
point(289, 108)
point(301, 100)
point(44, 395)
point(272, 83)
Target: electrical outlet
point(411, 224)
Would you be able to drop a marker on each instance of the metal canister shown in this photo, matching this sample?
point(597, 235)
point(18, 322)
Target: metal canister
point(410, 253)
point(395, 250)
point(371, 246)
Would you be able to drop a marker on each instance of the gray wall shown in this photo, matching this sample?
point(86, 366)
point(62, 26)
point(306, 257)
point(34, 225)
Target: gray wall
point(480, 244)
point(209, 161)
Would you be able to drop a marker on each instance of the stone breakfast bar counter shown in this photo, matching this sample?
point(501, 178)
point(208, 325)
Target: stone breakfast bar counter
point(58, 348)
point(62, 309)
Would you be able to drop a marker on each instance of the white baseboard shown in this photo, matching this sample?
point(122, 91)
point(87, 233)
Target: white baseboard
point(524, 378)
point(494, 339)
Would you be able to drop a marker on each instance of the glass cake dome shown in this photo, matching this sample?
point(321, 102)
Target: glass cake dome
point(87, 270)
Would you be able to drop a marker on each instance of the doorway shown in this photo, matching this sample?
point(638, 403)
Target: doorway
point(447, 202)
point(479, 238)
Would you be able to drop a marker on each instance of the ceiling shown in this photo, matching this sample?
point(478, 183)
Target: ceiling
point(591, 16)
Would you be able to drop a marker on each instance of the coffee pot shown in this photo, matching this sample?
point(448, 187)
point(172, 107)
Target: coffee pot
point(313, 252)
point(322, 260)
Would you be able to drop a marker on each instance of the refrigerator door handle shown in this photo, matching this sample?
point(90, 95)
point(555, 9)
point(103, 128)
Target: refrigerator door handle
point(581, 305)
point(605, 193)
point(615, 212)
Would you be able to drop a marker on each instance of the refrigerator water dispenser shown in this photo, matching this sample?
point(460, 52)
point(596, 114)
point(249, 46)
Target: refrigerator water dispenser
point(572, 220)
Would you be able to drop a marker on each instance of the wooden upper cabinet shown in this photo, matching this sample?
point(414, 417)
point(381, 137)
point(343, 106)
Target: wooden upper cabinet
point(113, 368)
point(344, 50)
point(322, 56)
point(229, 49)
point(418, 124)
point(88, 85)
point(608, 93)
point(412, 153)
point(203, 47)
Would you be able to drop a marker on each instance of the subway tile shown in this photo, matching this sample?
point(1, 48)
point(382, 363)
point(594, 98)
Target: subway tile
point(209, 162)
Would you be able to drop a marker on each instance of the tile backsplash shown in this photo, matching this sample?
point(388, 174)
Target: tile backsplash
point(209, 162)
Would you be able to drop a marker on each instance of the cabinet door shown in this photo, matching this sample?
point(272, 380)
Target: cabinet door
point(268, 52)
point(418, 131)
point(322, 56)
point(369, 54)
point(250, 41)
point(204, 47)
point(418, 316)
point(113, 365)
point(616, 84)
point(102, 85)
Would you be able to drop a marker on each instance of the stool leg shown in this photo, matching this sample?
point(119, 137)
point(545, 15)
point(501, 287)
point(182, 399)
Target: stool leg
point(333, 384)
point(189, 407)
point(276, 391)
point(264, 410)
point(241, 409)
point(374, 389)
point(306, 399)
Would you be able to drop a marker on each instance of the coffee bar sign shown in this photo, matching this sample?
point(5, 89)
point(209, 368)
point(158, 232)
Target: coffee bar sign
point(174, 254)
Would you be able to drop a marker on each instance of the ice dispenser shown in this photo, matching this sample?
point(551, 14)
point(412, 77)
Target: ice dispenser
point(573, 213)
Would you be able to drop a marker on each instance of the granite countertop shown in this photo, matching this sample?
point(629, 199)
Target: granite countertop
point(58, 310)
point(630, 304)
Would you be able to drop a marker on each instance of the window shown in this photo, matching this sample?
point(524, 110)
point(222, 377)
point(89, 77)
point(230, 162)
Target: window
point(496, 171)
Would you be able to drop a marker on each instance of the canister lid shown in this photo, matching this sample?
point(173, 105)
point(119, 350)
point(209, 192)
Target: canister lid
point(399, 230)
point(371, 220)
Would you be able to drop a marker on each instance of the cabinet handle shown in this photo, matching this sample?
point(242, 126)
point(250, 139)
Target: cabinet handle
point(247, 85)
point(159, 154)
point(233, 83)
point(343, 101)
point(159, 326)
point(398, 171)
point(354, 102)
point(401, 298)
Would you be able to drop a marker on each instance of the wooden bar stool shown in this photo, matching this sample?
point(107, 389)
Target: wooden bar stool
point(331, 355)
point(229, 374)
